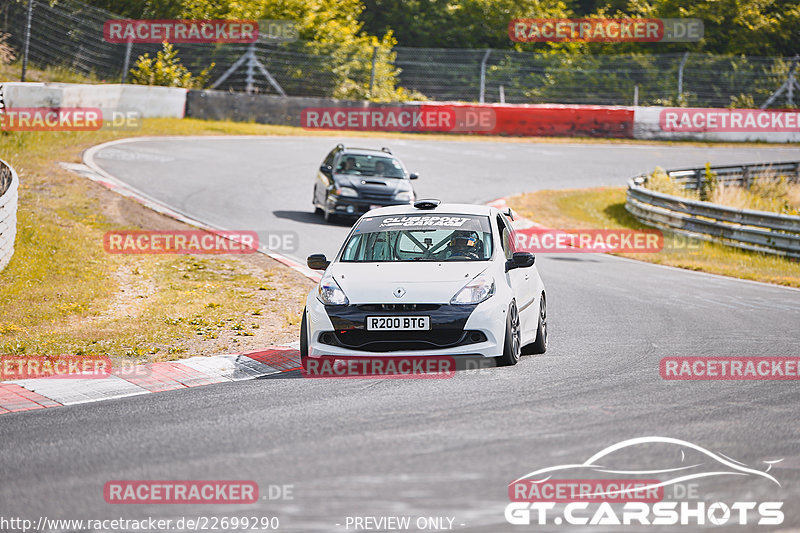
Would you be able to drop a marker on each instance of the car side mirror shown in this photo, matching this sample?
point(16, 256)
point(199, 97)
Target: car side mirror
point(520, 260)
point(325, 169)
point(413, 176)
point(317, 262)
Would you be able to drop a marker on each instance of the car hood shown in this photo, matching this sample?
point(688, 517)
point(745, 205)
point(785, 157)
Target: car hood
point(421, 282)
point(373, 184)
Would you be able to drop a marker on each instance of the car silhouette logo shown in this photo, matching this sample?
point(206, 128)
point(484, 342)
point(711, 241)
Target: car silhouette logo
point(399, 292)
point(705, 464)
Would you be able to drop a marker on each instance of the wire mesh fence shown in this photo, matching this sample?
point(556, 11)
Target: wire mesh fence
point(69, 35)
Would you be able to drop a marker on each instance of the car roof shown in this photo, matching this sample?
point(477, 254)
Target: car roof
point(445, 209)
point(366, 151)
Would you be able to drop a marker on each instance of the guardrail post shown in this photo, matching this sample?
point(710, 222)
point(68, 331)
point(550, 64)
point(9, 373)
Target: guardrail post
point(698, 177)
point(745, 177)
point(27, 45)
point(127, 62)
point(372, 72)
point(483, 75)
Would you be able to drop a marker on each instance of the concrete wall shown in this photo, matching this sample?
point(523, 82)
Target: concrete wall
point(647, 125)
point(149, 101)
point(514, 120)
point(260, 108)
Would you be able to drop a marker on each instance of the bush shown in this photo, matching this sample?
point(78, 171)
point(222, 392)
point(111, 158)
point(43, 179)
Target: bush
point(710, 183)
point(166, 70)
point(660, 181)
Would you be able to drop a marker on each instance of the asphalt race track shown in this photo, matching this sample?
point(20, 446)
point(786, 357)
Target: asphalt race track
point(431, 448)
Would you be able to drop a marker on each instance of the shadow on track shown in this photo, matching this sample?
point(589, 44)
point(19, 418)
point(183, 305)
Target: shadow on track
point(308, 217)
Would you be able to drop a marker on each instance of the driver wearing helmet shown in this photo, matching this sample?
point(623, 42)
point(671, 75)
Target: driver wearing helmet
point(463, 244)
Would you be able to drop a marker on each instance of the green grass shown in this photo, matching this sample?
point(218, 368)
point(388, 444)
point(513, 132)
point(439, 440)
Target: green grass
point(62, 294)
point(605, 208)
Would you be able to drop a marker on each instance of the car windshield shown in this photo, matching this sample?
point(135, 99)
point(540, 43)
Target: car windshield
point(370, 165)
point(420, 238)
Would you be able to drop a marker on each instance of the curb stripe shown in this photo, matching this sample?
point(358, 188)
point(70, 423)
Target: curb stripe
point(16, 398)
point(39, 393)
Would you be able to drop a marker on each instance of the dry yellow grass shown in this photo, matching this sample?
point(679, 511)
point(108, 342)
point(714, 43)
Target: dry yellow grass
point(62, 294)
point(605, 208)
point(768, 193)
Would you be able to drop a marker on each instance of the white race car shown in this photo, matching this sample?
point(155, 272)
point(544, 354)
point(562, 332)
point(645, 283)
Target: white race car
point(426, 279)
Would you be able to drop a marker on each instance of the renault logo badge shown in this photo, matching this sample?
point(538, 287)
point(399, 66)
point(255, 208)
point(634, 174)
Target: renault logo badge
point(399, 292)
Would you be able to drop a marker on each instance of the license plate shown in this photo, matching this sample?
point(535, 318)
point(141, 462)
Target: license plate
point(398, 323)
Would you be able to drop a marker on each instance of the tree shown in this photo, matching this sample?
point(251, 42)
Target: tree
point(329, 29)
point(455, 24)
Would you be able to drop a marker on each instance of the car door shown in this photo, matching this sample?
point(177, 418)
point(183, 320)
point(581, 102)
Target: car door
point(324, 179)
point(521, 282)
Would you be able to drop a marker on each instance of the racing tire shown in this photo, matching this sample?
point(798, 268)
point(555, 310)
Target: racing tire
point(304, 342)
point(317, 209)
point(540, 344)
point(511, 346)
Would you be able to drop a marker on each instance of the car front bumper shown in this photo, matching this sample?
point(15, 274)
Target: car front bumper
point(351, 206)
point(340, 331)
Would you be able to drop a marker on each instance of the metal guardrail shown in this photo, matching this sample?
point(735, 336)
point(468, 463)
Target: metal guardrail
point(742, 228)
point(740, 175)
point(9, 185)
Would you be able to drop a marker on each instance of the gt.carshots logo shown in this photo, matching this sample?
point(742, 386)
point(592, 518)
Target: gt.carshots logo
point(612, 487)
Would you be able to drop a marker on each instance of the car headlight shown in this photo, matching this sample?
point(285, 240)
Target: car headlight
point(474, 292)
point(346, 191)
point(330, 293)
point(404, 196)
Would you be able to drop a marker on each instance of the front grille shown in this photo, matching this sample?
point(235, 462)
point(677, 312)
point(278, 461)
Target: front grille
point(380, 197)
point(387, 341)
point(372, 308)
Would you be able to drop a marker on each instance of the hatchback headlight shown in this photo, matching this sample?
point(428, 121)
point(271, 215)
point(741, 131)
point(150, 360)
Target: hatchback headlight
point(404, 196)
point(475, 292)
point(330, 293)
point(346, 191)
